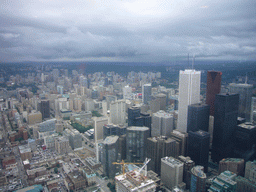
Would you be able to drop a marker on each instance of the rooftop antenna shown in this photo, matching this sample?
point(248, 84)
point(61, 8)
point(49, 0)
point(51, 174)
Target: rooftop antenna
point(188, 59)
point(246, 78)
point(193, 62)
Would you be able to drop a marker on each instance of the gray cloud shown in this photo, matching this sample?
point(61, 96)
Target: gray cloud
point(126, 30)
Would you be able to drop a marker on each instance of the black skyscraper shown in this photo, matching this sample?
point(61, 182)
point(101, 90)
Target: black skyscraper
point(198, 117)
point(136, 118)
point(45, 108)
point(225, 121)
point(198, 147)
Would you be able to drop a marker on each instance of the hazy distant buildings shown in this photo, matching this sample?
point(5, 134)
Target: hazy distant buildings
point(146, 93)
point(158, 147)
point(171, 172)
point(162, 124)
point(213, 88)
point(127, 92)
point(136, 138)
point(198, 148)
point(198, 117)
point(189, 93)
point(225, 121)
point(245, 96)
point(61, 145)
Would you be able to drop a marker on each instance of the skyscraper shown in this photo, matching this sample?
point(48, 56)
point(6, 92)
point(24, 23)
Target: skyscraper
point(162, 124)
point(109, 155)
point(213, 88)
point(245, 98)
point(189, 93)
point(253, 111)
point(136, 138)
point(198, 179)
point(225, 121)
point(146, 93)
point(188, 165)
point(198, 147)
point(158, 147)
point(45, 108)
point(171, 172)
point(136, 118)
point(118, 112)
point(198, 117)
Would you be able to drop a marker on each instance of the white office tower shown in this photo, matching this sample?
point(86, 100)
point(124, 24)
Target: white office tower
point(127, 92)
point(162, 124)
point(172, 172)
point(146, 93)
point(118, 112)
point(189, 93)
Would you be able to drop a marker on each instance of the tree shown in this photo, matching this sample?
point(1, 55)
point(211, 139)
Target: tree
point(55, 170)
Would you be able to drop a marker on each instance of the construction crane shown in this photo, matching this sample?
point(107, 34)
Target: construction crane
point(145, 165)
point(123, 163)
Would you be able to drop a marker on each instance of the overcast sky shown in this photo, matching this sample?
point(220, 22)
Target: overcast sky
point(126, 30)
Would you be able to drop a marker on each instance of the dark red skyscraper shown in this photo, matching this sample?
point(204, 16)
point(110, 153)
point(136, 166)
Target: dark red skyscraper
point(213, 88)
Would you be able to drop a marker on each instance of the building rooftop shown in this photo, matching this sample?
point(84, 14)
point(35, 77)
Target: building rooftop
point(134, 128)
point(172, 161)
point(232, 160)
point(247, 126)
point(111, 139)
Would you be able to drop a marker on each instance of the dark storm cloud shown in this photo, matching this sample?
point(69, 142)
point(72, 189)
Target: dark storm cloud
point(126, 30)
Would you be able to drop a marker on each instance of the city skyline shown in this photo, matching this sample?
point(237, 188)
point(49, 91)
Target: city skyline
point(126, 31)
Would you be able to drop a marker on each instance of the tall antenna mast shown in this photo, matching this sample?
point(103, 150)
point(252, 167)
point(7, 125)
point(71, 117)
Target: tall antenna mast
point(188, 59)
point(193, 62)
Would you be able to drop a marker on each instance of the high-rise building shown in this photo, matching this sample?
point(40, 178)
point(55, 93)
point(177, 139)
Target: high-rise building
point(213, 88)
point(47, 126)
point(250, 170)
point(99, 122)
point(127, 92)
point(171, 172)
point(225, 121)
point(253, 111)
point(112, 129)
point(224, 182)
point(133, 113)
point(136, 138)
point(244, 184)
point(161, 97)
point(60, 89)
point(181, 138)
point(61, 145)
point(245, 98)
point(162, 124)
point(198, 148)
point(189, 93)
point(45, 108)
point(234, 165)
point(109, 155)
point(74, 137)
point(245, 140)
point(157, 148)
point(136, 118)
point(118, 112)
point(198, 117)
point(198, 179)
point(188, 165)
point(146, 93)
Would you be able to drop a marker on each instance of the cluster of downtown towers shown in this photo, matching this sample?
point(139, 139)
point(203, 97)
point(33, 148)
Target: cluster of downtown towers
point(193, 119)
